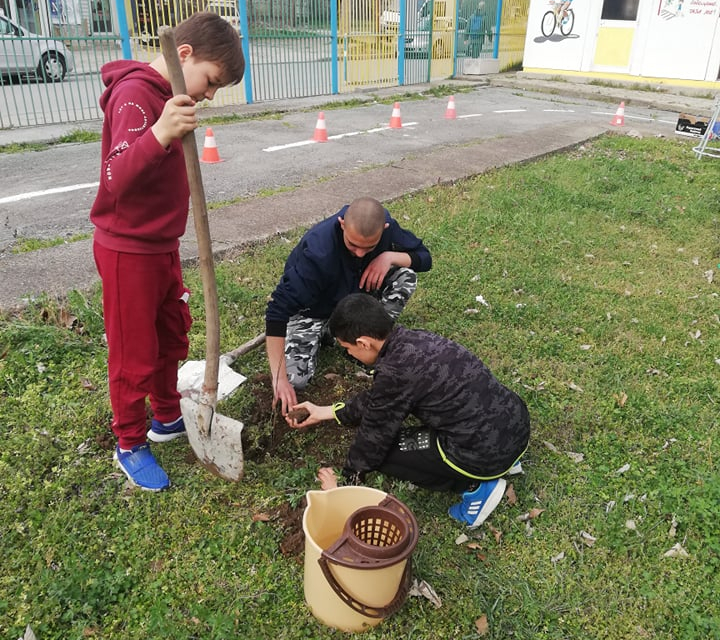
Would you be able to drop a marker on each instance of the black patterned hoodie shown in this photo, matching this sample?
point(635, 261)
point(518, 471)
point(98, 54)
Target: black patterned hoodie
point(481, 425)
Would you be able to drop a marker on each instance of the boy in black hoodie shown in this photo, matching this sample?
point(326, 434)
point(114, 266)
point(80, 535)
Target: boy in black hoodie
point(473, 430)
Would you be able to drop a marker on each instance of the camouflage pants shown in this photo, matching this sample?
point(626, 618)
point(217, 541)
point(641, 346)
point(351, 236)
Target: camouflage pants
point(305, 335)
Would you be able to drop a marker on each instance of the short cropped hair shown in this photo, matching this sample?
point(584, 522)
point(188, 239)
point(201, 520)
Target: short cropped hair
point(359, 314)
point(366, 216)
point(215, 40)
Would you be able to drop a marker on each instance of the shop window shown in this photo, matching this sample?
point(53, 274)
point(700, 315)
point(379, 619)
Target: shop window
point(620, 10)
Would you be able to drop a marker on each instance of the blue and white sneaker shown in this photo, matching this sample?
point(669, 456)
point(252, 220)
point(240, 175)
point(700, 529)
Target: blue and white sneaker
point(516, 469)
point(160, 432)
point(141, 468)
point(477, 505)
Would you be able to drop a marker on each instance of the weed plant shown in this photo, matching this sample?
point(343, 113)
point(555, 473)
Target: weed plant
point(598, 275)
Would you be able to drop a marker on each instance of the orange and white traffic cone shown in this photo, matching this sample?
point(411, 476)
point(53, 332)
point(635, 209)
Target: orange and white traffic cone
point(210, 151)
point(450, 113)
point(320, 134)
point(395, 121)
point(619, 117)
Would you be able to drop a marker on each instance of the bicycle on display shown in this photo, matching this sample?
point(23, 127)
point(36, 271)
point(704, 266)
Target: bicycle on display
point(553, 19)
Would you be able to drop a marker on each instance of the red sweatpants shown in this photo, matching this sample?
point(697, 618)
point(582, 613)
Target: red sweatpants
point(146, 323)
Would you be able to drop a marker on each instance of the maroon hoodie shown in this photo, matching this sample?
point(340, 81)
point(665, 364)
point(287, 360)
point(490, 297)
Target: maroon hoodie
point(142, 202)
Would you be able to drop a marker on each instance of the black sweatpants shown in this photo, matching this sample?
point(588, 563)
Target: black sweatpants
point(415, 458)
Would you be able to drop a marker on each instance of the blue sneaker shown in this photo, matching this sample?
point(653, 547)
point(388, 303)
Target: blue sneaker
point(477, 505)
point(160, 432)
point(141, 468)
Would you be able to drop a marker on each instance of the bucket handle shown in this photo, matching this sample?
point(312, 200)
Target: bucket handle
point(364, 609)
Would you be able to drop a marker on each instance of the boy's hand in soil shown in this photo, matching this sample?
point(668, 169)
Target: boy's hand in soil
point(307, 414)
point(327, 477)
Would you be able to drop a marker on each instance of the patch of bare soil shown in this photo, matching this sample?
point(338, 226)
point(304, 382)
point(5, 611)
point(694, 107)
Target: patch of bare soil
point(270, 433)
point(293, 543)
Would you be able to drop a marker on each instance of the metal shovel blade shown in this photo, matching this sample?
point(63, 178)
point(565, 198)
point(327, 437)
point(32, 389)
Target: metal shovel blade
point(215, 439)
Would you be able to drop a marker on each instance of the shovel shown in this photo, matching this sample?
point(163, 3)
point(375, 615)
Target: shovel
point(215, 439)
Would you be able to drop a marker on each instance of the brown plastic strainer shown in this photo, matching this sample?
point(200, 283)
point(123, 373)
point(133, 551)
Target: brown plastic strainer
point(374, 537)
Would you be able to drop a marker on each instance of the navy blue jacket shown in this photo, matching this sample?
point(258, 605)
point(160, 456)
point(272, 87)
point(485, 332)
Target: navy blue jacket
point(321, 271)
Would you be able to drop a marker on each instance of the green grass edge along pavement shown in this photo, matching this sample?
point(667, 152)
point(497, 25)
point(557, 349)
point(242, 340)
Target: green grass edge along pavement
point(587, 281)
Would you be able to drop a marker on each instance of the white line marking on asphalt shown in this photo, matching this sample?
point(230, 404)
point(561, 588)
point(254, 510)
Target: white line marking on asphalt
point(470, 115)
point(605, 113)
point(337, 136)
point(47, 192)
point(559, 110)
point(510, 111)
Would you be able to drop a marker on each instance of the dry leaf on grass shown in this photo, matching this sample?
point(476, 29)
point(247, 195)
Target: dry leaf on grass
point(623, 469)
point(66, 319)
point(461, 539)
point(530, 515)
point(496, 532)
point(575, 457)
point(87, 385)
point(481, 624)
point(261, 517)
point(587, 539)
point(558, 557)
point(676, 551)
point(575, 387)
point(510, 495)
point(423, 589)
point(29, 634)
point(620, 398)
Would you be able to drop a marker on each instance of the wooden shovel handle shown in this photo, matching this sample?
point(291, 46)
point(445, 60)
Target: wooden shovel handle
point(202, 226)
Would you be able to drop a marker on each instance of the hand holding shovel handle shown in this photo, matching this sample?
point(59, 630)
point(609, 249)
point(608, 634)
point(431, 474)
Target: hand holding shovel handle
point(208, 397)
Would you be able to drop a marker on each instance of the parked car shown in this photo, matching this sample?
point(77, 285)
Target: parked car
point(430, 18)
point(23, 53)
point(226, 9)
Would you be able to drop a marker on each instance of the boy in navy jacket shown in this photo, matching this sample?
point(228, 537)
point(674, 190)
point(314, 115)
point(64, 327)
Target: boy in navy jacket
point(361, 248)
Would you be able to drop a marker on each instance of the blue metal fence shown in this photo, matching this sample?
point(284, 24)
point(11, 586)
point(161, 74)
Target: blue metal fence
point(294, 48)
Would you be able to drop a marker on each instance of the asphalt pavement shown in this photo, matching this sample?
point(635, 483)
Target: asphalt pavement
point(57, 270)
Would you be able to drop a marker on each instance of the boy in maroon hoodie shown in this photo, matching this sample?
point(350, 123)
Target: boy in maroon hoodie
point(139, 214)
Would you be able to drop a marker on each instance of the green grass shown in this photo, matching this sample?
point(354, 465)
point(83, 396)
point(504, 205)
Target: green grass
point(438, 91)
point(75, 136)
point(596, 268)
point(26, 245)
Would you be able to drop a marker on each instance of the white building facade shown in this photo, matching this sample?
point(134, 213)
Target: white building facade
point(654, 41)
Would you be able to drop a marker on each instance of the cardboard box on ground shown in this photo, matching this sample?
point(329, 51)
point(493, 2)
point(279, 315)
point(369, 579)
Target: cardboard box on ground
point(695, 126)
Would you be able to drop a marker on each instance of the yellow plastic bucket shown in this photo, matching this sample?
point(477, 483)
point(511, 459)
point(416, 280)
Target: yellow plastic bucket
point(358, 546)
